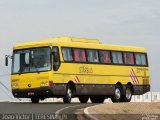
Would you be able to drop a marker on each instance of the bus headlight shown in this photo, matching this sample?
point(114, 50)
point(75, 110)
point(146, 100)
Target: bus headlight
point(14, 86)
point(43, 84)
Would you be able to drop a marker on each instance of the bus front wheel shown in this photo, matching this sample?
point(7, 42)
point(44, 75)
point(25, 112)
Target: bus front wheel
point(83, 99)
point(117, 94)
point(35, 100)
point(69, 93)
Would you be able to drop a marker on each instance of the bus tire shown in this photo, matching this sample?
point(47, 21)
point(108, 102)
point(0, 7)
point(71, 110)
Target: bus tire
point(97, 99)
point(35, 100)
point(128, 94)
point(69, 93)
point(117, 94)
point(83, 99)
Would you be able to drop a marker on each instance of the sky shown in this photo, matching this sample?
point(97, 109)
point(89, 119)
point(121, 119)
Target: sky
point(122, 22)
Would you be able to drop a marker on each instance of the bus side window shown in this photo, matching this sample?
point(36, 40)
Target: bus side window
point(67, 54)
point(79, 55)
point(140, 59)
point(117, 57)
point(144, 59)
point(128, 58)
point(56, 58)
point(76, 55)
point(105, 56)
point(92, 56)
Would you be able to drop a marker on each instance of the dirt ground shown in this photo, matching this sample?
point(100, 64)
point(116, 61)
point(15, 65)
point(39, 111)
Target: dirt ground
point(80, 114)
point(124, 111)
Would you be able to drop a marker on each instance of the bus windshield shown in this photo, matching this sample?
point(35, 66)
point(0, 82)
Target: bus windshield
point(31, 60)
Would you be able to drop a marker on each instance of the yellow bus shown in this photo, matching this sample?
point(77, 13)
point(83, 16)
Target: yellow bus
point(70, 67)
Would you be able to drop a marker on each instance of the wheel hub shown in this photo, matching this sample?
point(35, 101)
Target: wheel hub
point(69, 93)
point(117, 93)
point(128, 93)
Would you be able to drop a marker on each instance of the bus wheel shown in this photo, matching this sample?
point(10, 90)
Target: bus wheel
point(69, 93)
point(35, 100)
point(117, 94)
point(97, 99)
point(128, 94)
point(83, 99)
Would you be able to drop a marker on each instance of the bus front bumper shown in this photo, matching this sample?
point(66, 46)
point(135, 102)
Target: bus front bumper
point(42, 92)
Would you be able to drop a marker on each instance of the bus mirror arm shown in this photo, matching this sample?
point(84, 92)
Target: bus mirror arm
point(6, 59)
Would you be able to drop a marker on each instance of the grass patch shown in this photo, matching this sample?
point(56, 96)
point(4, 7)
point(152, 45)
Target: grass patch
point(125, 111)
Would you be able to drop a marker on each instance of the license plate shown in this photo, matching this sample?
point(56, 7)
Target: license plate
point(30, 93)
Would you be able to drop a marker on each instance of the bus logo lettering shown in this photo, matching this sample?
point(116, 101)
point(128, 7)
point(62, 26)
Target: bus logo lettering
point(85, 69)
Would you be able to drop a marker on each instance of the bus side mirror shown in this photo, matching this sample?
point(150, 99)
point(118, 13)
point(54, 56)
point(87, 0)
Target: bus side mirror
point(6, 60)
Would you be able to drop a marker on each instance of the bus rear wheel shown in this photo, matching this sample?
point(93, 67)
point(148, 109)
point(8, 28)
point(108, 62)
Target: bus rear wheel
point(35, 100)
point(69, 93)
point(117, 94)
point(128, 94)
point(83, 99)
point(97, 99)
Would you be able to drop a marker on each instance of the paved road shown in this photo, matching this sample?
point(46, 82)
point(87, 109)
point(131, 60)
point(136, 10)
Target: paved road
point(41, 108)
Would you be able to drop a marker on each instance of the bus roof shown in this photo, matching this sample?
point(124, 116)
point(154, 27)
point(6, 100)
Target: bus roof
point(78, 42)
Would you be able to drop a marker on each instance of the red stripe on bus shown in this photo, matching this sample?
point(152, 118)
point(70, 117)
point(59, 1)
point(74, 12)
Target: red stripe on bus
point(132, 78)
point(78, 79)
point(135, 76)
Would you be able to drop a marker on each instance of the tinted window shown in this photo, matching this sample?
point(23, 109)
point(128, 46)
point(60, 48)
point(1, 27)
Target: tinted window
point(117, 57)
point(92, 56)
point(79, 55)
point(40, 59)
point(31, 60)
point(105, 56)
point(140, 59)
point(67, 54)
point(21, 61)
point(128, 58)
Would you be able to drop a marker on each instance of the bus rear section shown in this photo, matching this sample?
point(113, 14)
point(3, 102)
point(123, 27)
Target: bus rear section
point(99, 73)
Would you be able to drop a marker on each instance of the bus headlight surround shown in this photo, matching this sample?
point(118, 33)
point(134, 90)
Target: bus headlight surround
point(43, 84)
point(15, 85)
